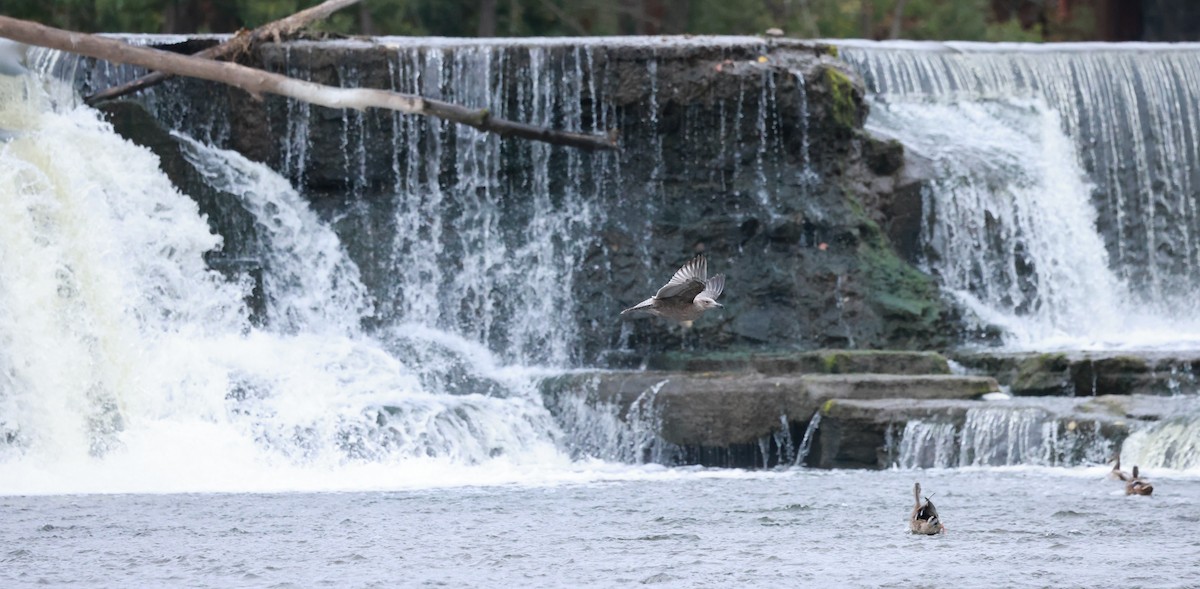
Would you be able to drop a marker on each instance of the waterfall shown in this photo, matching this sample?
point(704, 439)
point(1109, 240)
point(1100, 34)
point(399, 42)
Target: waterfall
point(1064, 200)
point(611, 431)
point(100, 272)
point(927, 445)
point(409, 270)
point(478, 248)
point(1173, 443)
point(312, 285)
point(807, 440)
point(1002, 436)
point(128, 364)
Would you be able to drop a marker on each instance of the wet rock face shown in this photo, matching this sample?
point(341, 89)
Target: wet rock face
point(946, 433)
point(1083, 374)
point(751, 152)
point(744, 419)
point(775, 189)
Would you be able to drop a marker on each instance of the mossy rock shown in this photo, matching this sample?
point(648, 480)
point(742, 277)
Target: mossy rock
point(1043, 374)
point(907, 300)
point(884, 362)
point(845, 98)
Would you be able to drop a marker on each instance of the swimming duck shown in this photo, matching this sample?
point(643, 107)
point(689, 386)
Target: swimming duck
point(924, 516)
point(1137, 486)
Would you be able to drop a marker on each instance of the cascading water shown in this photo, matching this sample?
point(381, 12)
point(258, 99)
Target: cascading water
point(1001, 436)
point(610, 432)
point(312, 285)
point(368, 356)
point(1173, 443)
point(101, 270)
point(924, 444)
point(1064, 199)
point(129, 365)
point(481, 250)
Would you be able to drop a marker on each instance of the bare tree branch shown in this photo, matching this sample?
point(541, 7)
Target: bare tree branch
point(258, 82)
point(241, 42)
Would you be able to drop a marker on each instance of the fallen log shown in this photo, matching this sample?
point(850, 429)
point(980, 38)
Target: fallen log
point(258, 82)
point(240, 42)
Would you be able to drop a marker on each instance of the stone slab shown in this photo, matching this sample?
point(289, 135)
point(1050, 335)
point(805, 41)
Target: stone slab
point(1087, 373)
point(732, 409)
point(806, 362)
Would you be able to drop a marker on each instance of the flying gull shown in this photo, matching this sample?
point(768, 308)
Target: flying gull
point(688, 294)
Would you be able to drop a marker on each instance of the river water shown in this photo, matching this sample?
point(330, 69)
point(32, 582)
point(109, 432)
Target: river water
point(615, 526)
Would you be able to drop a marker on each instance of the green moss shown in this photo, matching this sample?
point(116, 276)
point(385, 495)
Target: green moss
point(856, 207)
point(827, 407)
point(1033, 367)
point(907, 300)
point(900, 305)
point(1042, 374)
point(829, 363)
point(841, 91)
point(1111, 405)
point(1124, 364)
point(904, 296)
point(898, 284)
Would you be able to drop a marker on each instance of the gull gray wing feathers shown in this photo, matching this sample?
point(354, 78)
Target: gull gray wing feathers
point(713, 287)
point(687, 282)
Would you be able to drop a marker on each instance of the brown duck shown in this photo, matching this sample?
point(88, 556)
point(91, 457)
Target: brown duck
point(924, 515)
point(1136, 486)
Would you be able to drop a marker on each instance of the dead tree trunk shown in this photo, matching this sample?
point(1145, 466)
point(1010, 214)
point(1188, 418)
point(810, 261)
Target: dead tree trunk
point(239, 43)
point(258, 82)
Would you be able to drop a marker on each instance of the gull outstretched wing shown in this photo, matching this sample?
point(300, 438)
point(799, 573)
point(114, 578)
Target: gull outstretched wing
point(713, 287)
point(687, 282)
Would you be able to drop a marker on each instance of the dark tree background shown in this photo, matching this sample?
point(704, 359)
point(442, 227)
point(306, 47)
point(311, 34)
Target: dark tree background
point(980, 20)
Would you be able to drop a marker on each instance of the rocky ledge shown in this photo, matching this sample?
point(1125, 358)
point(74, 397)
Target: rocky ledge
point(1086, 373)
point(878, 433)
point(741, 418)
point(842, 409)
